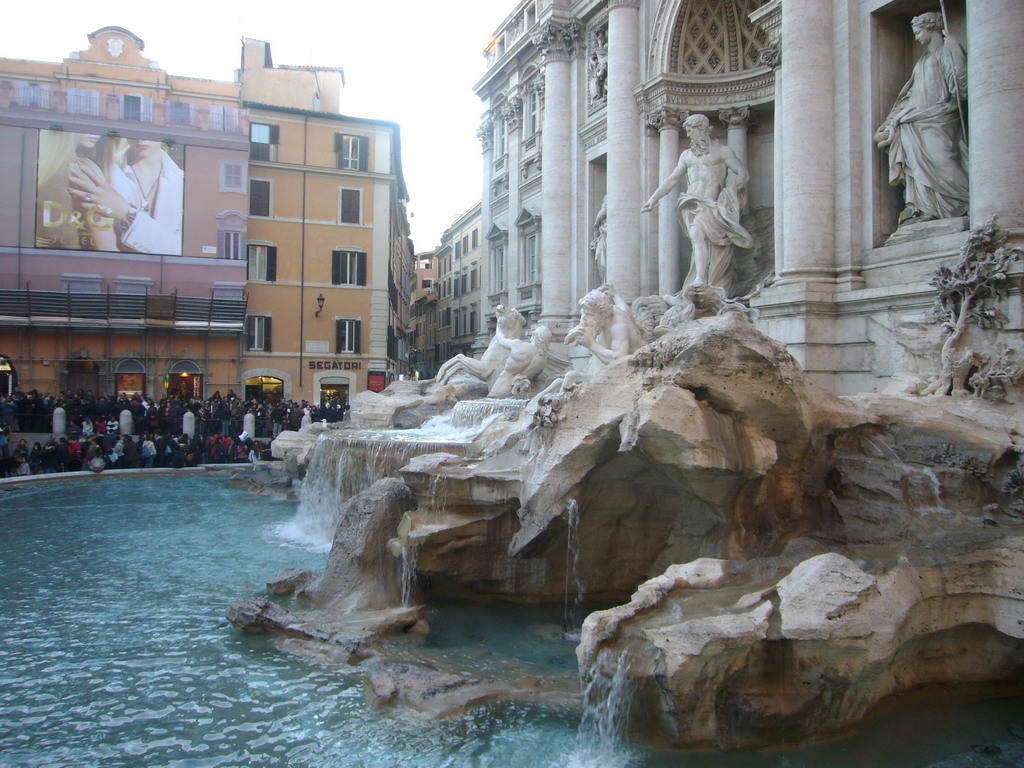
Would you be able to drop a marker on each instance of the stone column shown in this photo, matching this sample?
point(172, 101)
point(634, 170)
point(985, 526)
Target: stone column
point(557, 42)
point(60, 421)
point(486, 135)
point(624, 194)
point(737, 121)
point(125, 423)
point(995, 74)
point(808, 136)
point(668, 121)
point(512, 112)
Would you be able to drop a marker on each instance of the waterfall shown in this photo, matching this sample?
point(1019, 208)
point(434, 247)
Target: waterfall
point(572, 613)
point(477, 413)
point(410, 554)
point(606, 703)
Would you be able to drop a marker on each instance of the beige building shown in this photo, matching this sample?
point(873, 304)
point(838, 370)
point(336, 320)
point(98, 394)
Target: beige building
point(329, 254)
point(460, 265)
point(425, 353)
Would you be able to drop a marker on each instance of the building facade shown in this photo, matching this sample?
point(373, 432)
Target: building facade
point(460, 284)
point(122, 265)
point(585, 102)
point(156, 227)
point(330, 260)
point(425, 356)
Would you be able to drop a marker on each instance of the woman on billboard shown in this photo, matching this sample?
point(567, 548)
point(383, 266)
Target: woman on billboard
point(139, 202)
point(61, 223)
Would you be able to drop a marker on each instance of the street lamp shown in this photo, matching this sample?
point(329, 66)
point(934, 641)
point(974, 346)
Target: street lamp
point(319, 305)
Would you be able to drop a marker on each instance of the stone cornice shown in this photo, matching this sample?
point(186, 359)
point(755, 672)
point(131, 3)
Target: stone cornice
point(704, 94)
point(613, 4)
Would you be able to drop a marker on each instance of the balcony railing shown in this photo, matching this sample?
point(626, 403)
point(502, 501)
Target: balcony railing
point(92, 310)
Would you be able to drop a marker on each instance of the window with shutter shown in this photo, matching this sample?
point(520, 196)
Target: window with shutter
point(351, 206)
point(259, 327)
point(352, 152)
point(262, 140)
point(347, 333)
point(348, 268)
point(232, 177)
point(259, 197)
point(262, 263)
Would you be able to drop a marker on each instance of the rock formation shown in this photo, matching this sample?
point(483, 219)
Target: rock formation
point(783, 559)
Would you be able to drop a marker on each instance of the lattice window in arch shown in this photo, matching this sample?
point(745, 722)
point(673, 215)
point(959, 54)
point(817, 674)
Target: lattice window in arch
point(714, 37)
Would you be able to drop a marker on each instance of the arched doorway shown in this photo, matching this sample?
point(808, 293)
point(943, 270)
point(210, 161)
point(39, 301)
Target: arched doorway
point(185, 378)
point(265, 389)
point(130, 378)
point(83, 375)
point(8, 376)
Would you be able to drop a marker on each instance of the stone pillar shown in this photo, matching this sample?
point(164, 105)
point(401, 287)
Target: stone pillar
point(486, 136)
point(305, 421)
point(808, 136)
point(557, 41)
point(624, 194)
point(995, 74)
point(188, 424)
point(670, 278)
point(737, 121)
point(249, 424)
point(60, 421)
point(512, 112)
point(125, 422)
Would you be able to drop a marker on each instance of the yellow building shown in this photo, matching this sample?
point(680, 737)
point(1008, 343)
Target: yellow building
point(330, 259)
point(121, 234)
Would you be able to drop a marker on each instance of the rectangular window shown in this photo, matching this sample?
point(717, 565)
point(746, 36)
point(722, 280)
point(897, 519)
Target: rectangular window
point(352, 151)
point(351, 206)
point(348, 268)
point(263, 263)
point(465, 243)
point(474, 280)
point(134, 107)
point(476, 238)
point(531, 259)
point(262, 140)
point(346, 336)
point(232, 177)
point(259, 197)
point(456, 331)
point(458, 250)
point(83, 101)
point(499, 268)
point(224, 119)
point(500, 137)
point(472, 319)
point(464, 285)
point(427, 283)
point(179, 112)
point(231, 245)
point(532, 121)
point(259, 333)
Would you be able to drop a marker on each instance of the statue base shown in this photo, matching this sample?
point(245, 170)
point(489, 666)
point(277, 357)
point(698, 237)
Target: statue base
point(924, 229)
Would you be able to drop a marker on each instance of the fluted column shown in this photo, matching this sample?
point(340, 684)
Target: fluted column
point(670, 278)
point(557, 42)
point(624, 137)
point(738, 121)
point(995, 77)
point(486, 135)
point(511, 113)
point(808, 136)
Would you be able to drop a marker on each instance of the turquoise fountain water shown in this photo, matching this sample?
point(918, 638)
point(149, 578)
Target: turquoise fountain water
point(114, 652)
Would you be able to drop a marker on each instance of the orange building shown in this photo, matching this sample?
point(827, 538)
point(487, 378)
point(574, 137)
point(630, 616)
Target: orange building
point(330, 259)
point(122, 229)
point(163, 233)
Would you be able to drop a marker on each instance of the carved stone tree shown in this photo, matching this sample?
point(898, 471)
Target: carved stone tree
point(967, 294)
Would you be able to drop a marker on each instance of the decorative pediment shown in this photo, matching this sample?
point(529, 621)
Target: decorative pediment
point(528, 217)
point(496, 232)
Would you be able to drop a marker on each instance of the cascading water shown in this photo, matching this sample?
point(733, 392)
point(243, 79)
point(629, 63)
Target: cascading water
point(606, 704)
point(343, 464)
point(573, 612)
point(409, 556)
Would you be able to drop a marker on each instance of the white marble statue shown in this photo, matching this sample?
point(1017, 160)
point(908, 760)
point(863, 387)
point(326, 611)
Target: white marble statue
point(599, 245)
point(526, 360)
point(607, 327)
point(511, 325)
point(923, 133)
point(708, 210)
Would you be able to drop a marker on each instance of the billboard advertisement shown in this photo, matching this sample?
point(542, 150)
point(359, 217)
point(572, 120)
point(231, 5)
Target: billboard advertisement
point(107, 193)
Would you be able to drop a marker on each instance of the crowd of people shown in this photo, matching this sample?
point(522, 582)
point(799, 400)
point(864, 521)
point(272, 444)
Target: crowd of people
point(92, 438)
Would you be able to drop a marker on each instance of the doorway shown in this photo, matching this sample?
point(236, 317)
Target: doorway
point(265, 389)
point(83, 375)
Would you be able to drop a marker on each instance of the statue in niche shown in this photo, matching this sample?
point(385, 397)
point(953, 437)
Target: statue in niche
point(526, 360)
point(597, 68)
point(924, 132)
point(511, 325)
point(599, 245)
point(708, 211)
point(607, 327)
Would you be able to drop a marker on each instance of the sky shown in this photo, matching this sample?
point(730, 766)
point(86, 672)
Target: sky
point(410, 61)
